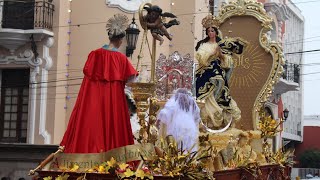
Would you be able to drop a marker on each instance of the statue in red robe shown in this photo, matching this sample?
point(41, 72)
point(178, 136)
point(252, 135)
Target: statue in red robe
point(100, 120)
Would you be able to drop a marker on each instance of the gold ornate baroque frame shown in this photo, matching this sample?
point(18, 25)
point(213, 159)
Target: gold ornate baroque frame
point(260, 66)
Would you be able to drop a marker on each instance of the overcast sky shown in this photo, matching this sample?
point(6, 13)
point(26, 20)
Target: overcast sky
point(311, 12)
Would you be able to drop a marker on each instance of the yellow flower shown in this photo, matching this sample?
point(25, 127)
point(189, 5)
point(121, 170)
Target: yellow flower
point(270, 133)
point(260, 126)
point(123, 166)
point(140, 174)
point(90, 170)
point(112, 162)
point(62, 177)
point(63, 168)
point(101, 169)
point(128, 173)
point(157, 169)
point(48, 178)
point(74, 168)
point(181, 157)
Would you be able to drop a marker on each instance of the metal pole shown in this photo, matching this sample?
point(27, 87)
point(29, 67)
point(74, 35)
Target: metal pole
point(43, 11)
point(153, 61)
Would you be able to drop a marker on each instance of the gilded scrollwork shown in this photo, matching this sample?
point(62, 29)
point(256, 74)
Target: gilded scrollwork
point(278, 60)
point(245, 7)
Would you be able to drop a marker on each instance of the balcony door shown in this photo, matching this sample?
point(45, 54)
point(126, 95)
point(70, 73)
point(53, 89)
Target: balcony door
point(14, 105)
point(18, 14)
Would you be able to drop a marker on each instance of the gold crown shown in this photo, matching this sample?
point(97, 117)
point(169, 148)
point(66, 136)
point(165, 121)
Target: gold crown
point(210, 21)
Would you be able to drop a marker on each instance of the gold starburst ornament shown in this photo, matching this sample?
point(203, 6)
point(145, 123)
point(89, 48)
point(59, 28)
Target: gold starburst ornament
point(117, 25)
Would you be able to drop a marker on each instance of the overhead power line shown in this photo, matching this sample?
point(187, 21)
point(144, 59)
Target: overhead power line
point(301, 52)
point(182, 14)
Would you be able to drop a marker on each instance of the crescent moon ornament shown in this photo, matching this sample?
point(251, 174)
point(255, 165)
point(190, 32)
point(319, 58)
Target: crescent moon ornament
point(143, 23)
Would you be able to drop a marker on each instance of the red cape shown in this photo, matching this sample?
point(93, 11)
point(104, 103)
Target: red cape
point(100, 119)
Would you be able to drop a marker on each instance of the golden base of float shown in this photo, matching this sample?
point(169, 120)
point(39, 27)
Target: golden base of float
point(267, 172)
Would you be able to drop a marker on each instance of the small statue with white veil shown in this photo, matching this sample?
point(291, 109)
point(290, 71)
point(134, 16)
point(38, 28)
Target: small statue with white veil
point(181, 116)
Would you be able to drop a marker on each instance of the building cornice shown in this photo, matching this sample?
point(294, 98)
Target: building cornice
point(280, 10)
point(125, 5)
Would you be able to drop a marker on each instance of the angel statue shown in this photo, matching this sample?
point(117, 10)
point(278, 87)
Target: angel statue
point(154, 22)
point(213, 74)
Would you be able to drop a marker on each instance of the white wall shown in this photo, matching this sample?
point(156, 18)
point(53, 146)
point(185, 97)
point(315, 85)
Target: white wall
point(293, 100)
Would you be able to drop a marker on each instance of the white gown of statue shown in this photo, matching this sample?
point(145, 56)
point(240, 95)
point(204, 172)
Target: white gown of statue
point(181, 124)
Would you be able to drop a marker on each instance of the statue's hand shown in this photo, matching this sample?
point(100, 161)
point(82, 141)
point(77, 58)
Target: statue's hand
point(220, 54)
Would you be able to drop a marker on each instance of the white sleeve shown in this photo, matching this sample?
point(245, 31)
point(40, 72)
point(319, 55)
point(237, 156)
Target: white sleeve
point(166, 114)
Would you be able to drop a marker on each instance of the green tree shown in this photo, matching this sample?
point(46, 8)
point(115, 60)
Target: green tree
point(310, 159)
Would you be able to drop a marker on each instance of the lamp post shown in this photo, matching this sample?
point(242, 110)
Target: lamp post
point(285, 114)
point(211, 6)
point(132, 37)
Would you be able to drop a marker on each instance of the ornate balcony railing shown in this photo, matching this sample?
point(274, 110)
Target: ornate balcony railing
point(27, 14)
point(291, 72)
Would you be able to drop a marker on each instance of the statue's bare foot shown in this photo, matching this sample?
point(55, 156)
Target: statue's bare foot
point(161, 42)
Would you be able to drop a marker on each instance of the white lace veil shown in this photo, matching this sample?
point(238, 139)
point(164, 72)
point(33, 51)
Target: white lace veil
point(184, 99)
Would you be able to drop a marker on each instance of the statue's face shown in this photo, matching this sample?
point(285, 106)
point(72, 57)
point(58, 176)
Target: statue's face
point(211, 33)
point(154, 15)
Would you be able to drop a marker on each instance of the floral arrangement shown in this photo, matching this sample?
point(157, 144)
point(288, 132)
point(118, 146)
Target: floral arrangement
point(121, 170)
point(284, 158)
point(169, 161)
point(268, 126)
point(176, 162)
point(60, 177)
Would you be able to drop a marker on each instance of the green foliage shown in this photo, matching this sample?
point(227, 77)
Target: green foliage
point(310, 159)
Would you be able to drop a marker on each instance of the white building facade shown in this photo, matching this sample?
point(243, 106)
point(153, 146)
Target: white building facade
point(293, 98)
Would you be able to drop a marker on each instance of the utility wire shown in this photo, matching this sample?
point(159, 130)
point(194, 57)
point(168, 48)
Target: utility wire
point(81, 77)
point(182, 14)
point(311, 73)
point(312, 37)
point(302, 52)
point(67, 85)
point(312, 80)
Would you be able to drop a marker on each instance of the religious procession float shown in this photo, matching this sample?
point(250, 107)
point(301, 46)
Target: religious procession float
point(220, 131)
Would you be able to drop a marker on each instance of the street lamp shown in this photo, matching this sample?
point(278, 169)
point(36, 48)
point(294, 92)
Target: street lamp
point(285, 114)
point(132, 37)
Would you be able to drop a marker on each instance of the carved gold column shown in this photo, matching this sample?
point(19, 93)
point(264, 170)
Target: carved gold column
point(152, 129)
point(142, 92)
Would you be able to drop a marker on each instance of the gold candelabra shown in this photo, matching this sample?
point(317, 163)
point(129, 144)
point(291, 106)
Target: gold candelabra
point(142, 93)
